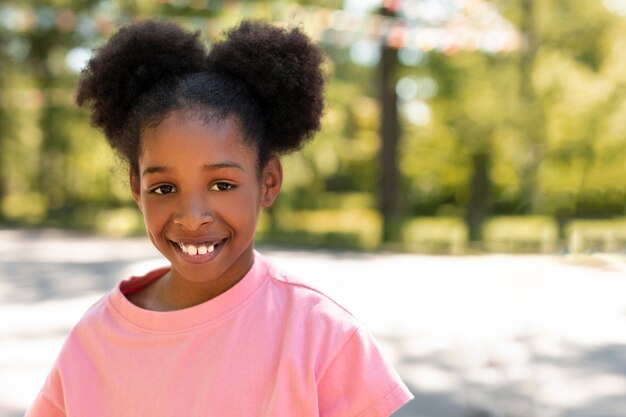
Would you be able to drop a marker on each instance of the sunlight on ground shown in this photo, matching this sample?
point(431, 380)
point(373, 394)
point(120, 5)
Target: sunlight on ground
point(509, 335)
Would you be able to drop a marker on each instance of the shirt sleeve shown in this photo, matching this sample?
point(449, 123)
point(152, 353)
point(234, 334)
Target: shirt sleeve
point(359, 382)
point(48, 402)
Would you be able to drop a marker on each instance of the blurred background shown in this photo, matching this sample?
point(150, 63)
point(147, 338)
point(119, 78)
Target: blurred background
point(452, 126)
point(491, 132)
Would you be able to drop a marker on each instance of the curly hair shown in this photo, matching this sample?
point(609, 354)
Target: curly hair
point(269, 79)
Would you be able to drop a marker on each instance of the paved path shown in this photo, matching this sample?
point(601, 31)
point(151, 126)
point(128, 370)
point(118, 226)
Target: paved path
point(474, 336)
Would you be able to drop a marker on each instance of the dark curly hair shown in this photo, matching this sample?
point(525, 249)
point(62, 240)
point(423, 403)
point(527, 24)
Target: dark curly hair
point(267, 78)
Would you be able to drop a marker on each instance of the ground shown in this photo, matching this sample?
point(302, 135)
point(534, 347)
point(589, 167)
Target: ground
point(472, 336)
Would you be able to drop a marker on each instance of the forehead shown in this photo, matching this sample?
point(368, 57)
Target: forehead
point(189, 135)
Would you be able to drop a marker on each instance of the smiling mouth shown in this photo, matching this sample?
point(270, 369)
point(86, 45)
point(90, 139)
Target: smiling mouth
point(199, 249)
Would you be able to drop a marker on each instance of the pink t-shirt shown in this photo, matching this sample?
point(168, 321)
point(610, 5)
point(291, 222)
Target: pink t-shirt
point(269, 346)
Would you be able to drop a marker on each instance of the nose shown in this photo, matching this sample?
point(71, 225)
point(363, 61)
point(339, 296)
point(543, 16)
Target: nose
point(193, 212)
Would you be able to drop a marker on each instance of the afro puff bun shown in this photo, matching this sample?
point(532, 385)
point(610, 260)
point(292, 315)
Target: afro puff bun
point(268, 77)
point(130, 64)
point(282, 69)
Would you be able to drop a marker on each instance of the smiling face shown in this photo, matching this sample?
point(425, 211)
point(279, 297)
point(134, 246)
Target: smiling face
point(200, 191)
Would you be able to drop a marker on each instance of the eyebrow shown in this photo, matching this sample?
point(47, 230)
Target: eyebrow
point(157, 169)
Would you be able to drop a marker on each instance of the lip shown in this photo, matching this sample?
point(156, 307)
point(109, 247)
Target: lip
point(197, 240)
point(198, 259)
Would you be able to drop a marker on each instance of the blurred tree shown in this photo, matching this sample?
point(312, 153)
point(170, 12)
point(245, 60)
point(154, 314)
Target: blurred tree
point(565, 101)
point(530, 111)
point(540, 130)
point(389, 172)
point(4, 119)
point(45, 41)
point(530, 125)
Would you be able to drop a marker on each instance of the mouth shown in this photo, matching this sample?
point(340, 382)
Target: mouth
point(198, 251)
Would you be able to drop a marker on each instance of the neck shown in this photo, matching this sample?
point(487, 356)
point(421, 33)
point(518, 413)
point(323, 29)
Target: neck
point(174, 292)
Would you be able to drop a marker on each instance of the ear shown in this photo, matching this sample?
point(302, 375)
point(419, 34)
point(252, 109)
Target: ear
point(135, 186)
point(271, 181)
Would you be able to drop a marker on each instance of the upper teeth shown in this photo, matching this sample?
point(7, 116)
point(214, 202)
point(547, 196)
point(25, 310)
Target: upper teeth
point(201, 249)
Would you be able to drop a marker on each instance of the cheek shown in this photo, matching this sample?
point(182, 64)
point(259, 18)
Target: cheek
point(242, 210)
point(153, 214)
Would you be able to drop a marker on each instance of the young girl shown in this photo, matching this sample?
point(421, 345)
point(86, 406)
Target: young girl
point(220, 332)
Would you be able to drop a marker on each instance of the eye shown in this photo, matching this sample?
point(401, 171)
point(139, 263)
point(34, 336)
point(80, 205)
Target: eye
point(164, 189)
point(222, 186)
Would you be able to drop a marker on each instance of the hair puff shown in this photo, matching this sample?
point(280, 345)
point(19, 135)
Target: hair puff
point(282, 69)
point(136, 59)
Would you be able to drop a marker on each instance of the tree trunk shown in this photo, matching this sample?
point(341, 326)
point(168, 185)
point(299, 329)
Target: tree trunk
point(52, 172)
point(390, 134)
point(478, 205)
point(3, 133)
point(532, 120)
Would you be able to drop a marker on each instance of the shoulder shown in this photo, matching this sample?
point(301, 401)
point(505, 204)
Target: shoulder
point(305, 295)
point(352, 375)
point(312, 319)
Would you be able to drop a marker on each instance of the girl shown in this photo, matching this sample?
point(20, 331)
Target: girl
point(220, 332)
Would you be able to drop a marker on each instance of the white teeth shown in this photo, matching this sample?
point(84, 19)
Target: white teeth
point(193, 250)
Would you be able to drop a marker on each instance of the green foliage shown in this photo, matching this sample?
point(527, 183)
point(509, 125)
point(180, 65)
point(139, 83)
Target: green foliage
point(566, 140)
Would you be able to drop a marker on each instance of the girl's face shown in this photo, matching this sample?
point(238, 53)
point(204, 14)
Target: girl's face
point(200, 193)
